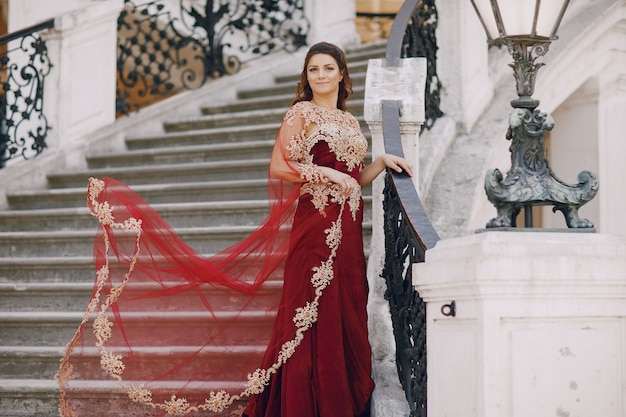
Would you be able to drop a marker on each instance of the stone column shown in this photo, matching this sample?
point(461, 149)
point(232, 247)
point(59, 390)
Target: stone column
point(612, 148)
point(540, 324)
point(462, 63)
point(80, 94)
point(332, 21)
point(24, 13)
point(405, 83)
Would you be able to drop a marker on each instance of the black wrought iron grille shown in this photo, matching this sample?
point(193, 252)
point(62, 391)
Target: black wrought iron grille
point(24, 65)
point(420, 40)
point(162, 51)
point(408, 311)
point(408, 234)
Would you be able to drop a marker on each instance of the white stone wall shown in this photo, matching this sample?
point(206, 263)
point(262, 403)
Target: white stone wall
point(539, 329)
point(462, 63)
point(24, 13)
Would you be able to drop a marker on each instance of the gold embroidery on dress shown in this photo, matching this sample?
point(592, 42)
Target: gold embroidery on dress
point(324, 193)
point(311, 173)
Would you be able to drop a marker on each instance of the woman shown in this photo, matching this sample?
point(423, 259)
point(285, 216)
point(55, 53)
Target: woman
point(317, 361)
point(321, 146)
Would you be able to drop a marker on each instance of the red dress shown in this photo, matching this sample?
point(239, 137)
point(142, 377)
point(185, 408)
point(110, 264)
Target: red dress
point(317, 362)
point(329, 373)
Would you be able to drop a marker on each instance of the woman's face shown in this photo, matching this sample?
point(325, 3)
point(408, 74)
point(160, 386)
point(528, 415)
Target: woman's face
point(323, 75)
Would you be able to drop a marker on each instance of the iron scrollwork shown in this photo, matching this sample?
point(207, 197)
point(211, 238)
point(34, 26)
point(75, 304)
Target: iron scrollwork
point(408, 310)
point(24, 66)
point(162, 52)
point(420, 40)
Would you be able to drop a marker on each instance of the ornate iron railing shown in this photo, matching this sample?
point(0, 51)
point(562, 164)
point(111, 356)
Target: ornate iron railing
point(420, 40)
point(408, 231)
point(162, 51)
point(24, 65)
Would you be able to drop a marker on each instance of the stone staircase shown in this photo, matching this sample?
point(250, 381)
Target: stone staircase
point(206, 176)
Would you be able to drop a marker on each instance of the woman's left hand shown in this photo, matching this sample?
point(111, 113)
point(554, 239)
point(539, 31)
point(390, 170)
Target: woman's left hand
point(397, 164)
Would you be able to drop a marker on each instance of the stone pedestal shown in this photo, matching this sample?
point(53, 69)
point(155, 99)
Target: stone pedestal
point(83, 47)
point(539, 326)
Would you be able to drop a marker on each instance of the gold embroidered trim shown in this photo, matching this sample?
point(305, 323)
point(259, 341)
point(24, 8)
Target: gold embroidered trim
point(311, 173)
point(340, 130)
point(325, 193)
point(304, 318)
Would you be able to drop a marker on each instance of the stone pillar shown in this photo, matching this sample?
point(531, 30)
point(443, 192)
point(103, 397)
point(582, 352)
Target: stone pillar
point(405, 83)
point(573, 147)
point(80, 92)
point(540, 324)
point(612, 148)
point(24, 13)
point(332, 21)
point(462, 63)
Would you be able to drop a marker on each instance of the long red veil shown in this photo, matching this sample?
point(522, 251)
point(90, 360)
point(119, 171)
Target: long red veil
point(168, 330)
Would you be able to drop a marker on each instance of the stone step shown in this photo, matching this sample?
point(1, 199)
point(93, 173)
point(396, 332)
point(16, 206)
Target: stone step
point(164, 193)
point(275, 101)
point(80, 242)
point(231, 119)
point(192, 192)
point(355, 103)
point(367, 52)
point(57, 328)
point(237, 119)
point(243, 133)
point(183, 154)
point(358, 61)
point(218, 137)
point(75, 296)
point(182, 214)
point(160, 174)
point(355, 67)
point(42, 362)
point(21, 272)
point(284, 88)
point(40, 397)
point(29, 362)
point(29, 398)
point(47, 270)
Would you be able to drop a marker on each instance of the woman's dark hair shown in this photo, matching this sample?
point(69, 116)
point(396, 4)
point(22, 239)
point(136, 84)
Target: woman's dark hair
point(304, 92)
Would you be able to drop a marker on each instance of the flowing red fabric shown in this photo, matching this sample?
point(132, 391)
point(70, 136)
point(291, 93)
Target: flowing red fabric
point(273, 326)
